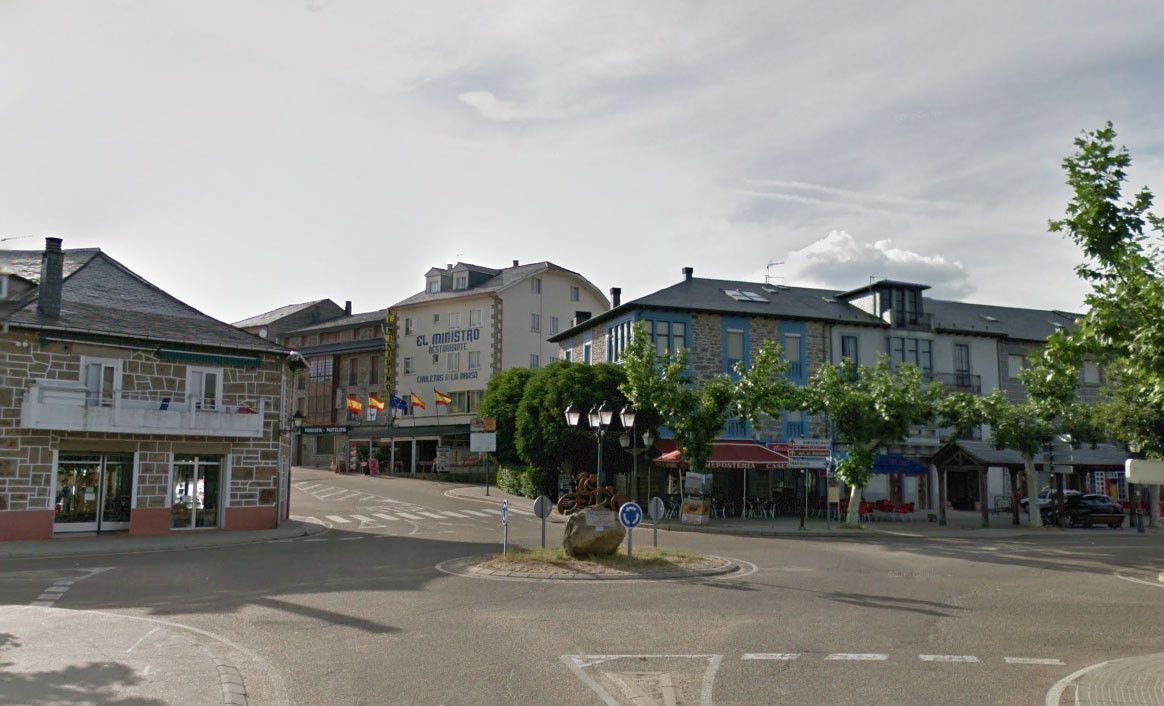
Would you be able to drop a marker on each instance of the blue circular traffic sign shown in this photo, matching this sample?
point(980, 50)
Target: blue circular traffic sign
point(630, 515)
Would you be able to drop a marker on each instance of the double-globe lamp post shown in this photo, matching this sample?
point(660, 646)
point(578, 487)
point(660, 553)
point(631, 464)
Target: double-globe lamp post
point(600, 417)
point(629, 442)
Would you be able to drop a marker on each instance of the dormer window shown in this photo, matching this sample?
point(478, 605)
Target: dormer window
point(3, 287)
point(434, 285)
point(461, 281)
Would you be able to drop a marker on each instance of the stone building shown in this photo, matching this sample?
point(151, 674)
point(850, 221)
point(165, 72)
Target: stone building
point(276, 324)
point(123, 409)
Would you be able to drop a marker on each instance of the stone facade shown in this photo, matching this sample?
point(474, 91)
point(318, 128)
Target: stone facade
point(254, 465)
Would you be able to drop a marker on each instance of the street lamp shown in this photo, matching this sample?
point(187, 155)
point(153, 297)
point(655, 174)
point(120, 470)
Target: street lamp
point(599, 417)
point(630, 444)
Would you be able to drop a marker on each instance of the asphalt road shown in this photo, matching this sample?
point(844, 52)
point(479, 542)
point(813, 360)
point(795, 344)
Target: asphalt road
point(360, 614)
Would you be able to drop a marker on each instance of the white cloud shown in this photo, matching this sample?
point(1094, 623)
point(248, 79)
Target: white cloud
point(841, 262)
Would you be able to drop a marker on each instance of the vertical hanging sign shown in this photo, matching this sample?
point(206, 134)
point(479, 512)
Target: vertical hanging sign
point(389, 357)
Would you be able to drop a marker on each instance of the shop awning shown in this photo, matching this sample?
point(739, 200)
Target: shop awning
point(733, 454)
point(890, 463)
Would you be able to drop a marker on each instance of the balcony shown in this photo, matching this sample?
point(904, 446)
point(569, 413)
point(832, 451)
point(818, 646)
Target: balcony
point(960, 382)
point(912, 322)
point(61, 405)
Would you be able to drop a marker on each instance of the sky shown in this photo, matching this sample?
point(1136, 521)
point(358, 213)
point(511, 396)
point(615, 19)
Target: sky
point(248, 154)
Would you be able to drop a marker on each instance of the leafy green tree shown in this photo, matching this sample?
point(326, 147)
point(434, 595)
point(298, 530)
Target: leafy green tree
point(764, 388)
point(870, 408)
point(543, 440)
point(502, 396)
point(694, 410)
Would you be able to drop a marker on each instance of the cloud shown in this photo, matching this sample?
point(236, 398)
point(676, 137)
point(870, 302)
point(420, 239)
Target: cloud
point(840, 261)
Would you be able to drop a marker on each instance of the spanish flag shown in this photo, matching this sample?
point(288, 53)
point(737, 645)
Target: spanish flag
point(416, 401)
point(442, 398)
point(355, 406)
point(375, 402)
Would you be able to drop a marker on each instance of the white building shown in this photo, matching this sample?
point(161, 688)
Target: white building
point(468, 324)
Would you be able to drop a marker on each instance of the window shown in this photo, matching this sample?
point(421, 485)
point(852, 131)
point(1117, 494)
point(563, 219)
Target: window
point(300, 381)
point(744, 296)
point(454, 320)
point(662, 337)
point(792, 353)
point(574, 294)
point(1090, 372)
point(373, 371)
point(534, 360)
point(553, 324)
point(735, 347)
point(849, 349)
point(535, 322)
point(436, 318)
point(617, 338)
point(409, 326)
point(962, 358)
point(204, 387)
point(461, 282)
point(434, 285)
point(474, 317)
point(321, 369)
point(409, 368)
point(353, 370)
point(918, 351)
point(436, 358)
point(101, 381)
point(569, 355)
point(535, 285)
point(453, 361)
point(474, 360)
point(678, 336)
point(586, 352)
point(1014, 366)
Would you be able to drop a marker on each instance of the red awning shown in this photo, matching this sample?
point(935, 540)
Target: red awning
point(734, 454)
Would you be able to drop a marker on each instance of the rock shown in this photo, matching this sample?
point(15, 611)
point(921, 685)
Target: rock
point(593, 531)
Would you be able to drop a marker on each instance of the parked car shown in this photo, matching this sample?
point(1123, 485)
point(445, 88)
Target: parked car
point(1047, 498)
point(1087, 510)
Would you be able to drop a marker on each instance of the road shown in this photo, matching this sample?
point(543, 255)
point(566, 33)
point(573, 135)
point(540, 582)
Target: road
point(360, 614)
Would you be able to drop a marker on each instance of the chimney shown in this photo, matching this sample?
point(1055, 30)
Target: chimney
point(448, 266)
point(615, 296)
point(51, 273)
point(515, 263)
point(687, 272)
point(347, 308)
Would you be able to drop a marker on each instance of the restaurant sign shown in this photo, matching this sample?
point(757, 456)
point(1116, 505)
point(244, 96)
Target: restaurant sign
point(806, 453)
point(315, 431)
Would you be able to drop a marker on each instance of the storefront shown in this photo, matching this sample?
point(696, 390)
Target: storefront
point(747, 477)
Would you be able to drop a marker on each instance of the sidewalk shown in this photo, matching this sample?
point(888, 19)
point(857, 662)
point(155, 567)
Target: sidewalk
point(960, 525)
point(96, 545)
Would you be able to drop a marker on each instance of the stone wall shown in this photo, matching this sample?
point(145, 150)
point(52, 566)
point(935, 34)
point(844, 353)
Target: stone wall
point(26, 455)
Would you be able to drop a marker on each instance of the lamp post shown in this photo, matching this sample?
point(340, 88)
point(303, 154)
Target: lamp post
point(629, 443)
point(599, 417)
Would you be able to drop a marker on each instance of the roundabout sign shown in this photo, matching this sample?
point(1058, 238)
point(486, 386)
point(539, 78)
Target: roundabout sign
point(630, 515)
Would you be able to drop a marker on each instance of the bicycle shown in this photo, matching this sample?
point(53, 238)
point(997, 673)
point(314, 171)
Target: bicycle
point(588, 494)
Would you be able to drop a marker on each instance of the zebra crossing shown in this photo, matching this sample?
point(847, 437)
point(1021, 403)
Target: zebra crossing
point(376, 519)
point(378, 511)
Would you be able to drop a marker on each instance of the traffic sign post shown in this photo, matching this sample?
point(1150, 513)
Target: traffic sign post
point(542, 508)
point(504, 526)
point(630, 515)
point(658, 508)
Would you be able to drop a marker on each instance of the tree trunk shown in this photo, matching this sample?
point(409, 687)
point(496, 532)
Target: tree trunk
point(1154, 505)
point(1014, 499)
point(1035, 518)
point(854, 516)
point(942, 497)
point(1060, 484)
point(983, 501)
point(1133, 500)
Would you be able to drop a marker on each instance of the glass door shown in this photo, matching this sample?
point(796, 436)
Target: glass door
point(197, 492)
point(94, 492)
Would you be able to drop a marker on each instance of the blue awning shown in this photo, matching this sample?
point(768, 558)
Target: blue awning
point(891, 463)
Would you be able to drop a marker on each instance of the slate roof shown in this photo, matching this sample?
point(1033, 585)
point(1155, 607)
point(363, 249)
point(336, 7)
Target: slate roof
point(1102, 455)
point(343, 322)
point(100, 296)
point(708, 295)
point(1011, 322)
point(274, 315)
point(504, 278)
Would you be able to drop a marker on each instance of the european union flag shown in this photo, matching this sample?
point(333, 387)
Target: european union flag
point(398, 403)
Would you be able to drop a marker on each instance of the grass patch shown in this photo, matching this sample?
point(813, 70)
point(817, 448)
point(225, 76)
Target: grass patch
point(644, 558)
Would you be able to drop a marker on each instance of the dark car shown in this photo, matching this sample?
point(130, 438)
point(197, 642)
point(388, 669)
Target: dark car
point(1088, 510)
point(1047, 499)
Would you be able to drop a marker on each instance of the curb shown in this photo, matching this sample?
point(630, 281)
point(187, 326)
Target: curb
point(151, 545)
point(470, 567)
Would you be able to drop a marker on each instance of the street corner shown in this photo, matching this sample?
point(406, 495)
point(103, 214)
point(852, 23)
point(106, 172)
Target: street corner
point(1130, 680)
point(46, 658)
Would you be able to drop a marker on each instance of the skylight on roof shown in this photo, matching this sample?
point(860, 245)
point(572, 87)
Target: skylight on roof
point(744, 296)
point(991, 319)
point(829, 300)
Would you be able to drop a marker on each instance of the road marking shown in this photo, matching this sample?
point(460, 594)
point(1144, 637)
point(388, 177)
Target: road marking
point(1034, 660)
point(948, 658)
point(450, 513)
point(312, 520)
point(515, 511)
point(338, 520)
point(382, 516)
point(315, 540)
point(326, 494)
point(1054, 695)
point(369, 497)
point(478, 513)
point(362, 518)
point(306, 488)
point(491, 512)
point(143, 637)
point(579, 663)
point(53, 593)
point(347, 496)
point(56, 589)
point(407, 516)
point(857, 657)
point(1154, 584)
point(279, 541)
point(777, 656)
point(349, 539)
point(432, 515)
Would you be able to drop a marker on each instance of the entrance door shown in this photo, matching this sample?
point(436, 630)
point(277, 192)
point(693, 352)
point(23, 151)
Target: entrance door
point(197, 497)
point(93, 492)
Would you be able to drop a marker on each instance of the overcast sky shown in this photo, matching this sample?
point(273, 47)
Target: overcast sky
point(247, 154)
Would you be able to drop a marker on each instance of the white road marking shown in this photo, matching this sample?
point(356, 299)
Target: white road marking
point(515, 511)
point(347, 496)
point(369, 497)
point(1054, 695)
point(478, 513)
point(1154, 584)
point(450, 513)
point(339, 520)
point(327, 494)
point(361, 518)
point(143, 637)
point(491, 512)
point(777, 656)
point(312, 520)
point(948, 658)
point(382, 516)
point(349, 539)
point(56, 589)
point(315, 540)
point(306, 488)
point(857, 657)
point(279, 541)
point(1034, 660)
point(578, 664)
point(48, 596)
point(432, 515)
point(407, 516)
point(64, 582)
point(42, 604)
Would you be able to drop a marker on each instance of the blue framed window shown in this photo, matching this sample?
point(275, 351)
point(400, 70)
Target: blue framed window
point(670, 332)
point(736, 344)
point(793, 336)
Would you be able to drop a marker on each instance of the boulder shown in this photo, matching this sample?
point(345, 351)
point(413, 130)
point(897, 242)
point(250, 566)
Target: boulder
point(593, 531)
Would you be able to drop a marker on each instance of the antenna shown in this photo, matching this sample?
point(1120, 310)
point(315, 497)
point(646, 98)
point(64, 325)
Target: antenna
point(14, 237)
point(768, 276)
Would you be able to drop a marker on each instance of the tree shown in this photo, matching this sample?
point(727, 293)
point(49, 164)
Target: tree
point(543, 439)
point(694, 410)
point(869, 409)
point(502, 396)
point(1123, 261)
point(764, 389)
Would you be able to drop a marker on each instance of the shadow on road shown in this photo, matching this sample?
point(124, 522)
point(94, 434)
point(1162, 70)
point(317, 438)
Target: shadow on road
point(94, 684)
point(911, 605)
